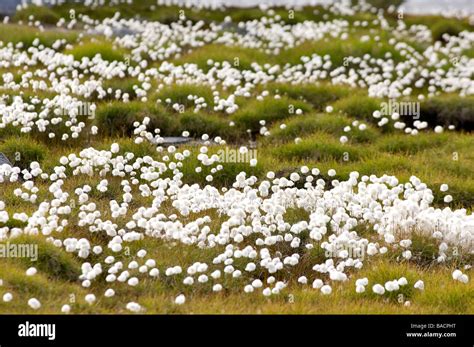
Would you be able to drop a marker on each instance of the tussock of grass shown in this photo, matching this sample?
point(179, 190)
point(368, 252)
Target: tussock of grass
point(224, 177)
point(238, 57)
point(44, 14)
point(448, 27)
point(201, 123)
point(338, 50)
point(382, 272)
point(52, 261)
point(319, 147)
point(359, 107)
point(269, 110)
point(300, 126)
point(90, 49)
point(179, 94)
point(401, 143)
point(23, 151)
point(15, 33)
point(117, 118)
point(317, 95)
point(125, 85)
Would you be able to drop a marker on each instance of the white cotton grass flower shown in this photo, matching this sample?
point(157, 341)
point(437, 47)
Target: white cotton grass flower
point(326, 289)
point(459, 276)
point(391, 286)
point(109, 293)
point(402, 281)
point(188, 281)
point(180, 299)
point(90, 298)
point(317, 284)
point(448, 199)
point(31, 271)
point(133, 281)
point(134, 307)
point(66, 309)
point(419, 285)
point(257, 283)
point(362, 282)
point(7, 297)
point(248, 288)
point(378, 289)
point(335, 207)
point(154, 272)
point(34, 303)
point(302, 280)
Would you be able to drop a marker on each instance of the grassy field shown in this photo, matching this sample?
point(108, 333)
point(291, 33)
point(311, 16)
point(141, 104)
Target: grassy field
point(305, 123)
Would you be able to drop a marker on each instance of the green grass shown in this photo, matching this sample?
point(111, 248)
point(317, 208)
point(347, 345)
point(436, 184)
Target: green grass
point(15, 34)
point(317, 95)
point(411, 144)
point(157, 296)
point(90, 49)
point(319, 147)
point(270, 110)
point(42, 13)
point(179, 94)
point(238, 57)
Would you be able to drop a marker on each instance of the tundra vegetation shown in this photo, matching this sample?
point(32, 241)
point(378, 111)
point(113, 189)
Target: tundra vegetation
point(324, 165)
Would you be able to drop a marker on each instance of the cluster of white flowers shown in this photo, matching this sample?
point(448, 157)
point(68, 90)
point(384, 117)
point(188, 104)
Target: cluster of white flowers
point(52, 70)
point(252, 222)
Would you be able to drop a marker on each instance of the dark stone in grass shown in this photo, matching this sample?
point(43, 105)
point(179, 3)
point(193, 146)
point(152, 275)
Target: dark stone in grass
point(4, 160)
point(175, 140)
point(8, 7)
